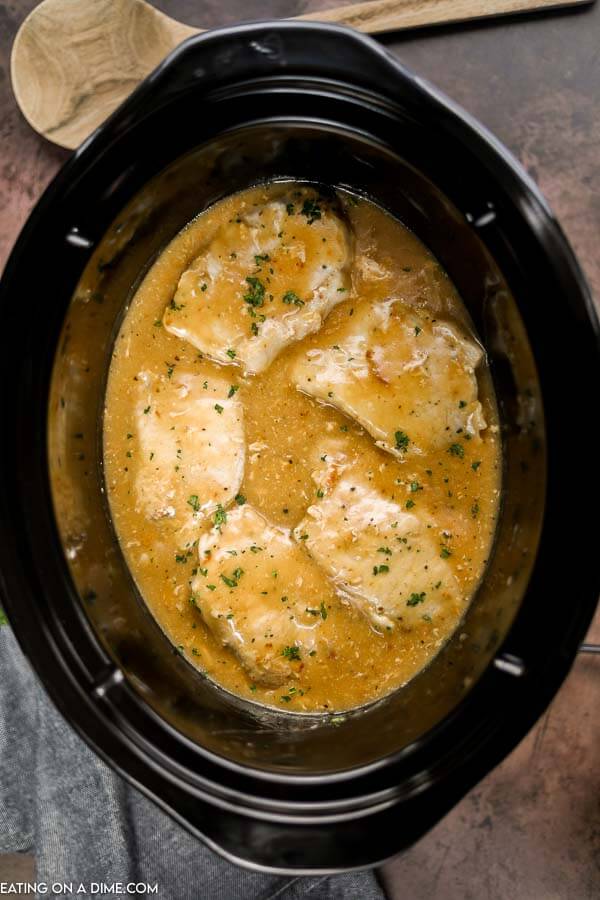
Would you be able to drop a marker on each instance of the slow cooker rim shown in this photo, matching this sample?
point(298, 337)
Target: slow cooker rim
point(420, 84)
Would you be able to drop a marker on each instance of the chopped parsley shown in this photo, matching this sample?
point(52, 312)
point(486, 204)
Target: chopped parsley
point(445, 553)
point(194, 502)
point(409, 504)
point(456, 450)
point(415, 599)
point(292, 652)
point(233, 389)
point(402, 440)
point(261, 258)
point(218, 408)
point(220, 516)
point(3, 619)
point(475, 465)
point(292, 299)
point(240, 499)
point(385, 550)
point(235, 577)
point(323, 609)
point(379, 570)
point(312, 210)
point(231, 353)
point(414, 486)
point(255, 295)
point(147, 410)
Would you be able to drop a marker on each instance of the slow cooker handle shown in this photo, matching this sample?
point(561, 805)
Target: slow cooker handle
point(229, 57)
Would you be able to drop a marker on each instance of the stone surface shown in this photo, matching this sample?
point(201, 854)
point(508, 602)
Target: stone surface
point(531, 829)
point(15, 867)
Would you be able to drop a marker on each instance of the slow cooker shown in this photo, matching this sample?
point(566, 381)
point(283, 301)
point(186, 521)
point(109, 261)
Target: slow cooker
point(228, 109)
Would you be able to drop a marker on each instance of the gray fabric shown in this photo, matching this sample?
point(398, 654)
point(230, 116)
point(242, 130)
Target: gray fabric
point(85, 824)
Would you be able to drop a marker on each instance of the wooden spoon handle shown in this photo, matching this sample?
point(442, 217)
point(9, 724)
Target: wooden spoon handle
point(375, 16)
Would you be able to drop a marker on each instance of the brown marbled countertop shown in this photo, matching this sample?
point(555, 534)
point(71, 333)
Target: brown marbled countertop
point(531, 829)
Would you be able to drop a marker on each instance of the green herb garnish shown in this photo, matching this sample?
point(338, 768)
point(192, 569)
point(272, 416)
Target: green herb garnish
point(456, 450)
point(292, 299)
point(312, 210)
point(220, 517)
point(235, 577)
point(256, 293)
point(402, 440)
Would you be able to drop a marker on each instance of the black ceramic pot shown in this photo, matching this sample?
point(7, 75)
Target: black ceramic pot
point(226, 110)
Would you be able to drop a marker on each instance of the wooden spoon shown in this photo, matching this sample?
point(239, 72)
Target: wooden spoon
point(73, 63)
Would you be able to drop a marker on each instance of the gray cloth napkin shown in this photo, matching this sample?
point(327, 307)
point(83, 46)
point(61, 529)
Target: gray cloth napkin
point(85, 824)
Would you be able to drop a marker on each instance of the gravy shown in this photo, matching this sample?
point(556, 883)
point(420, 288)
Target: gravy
point(301, 448)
